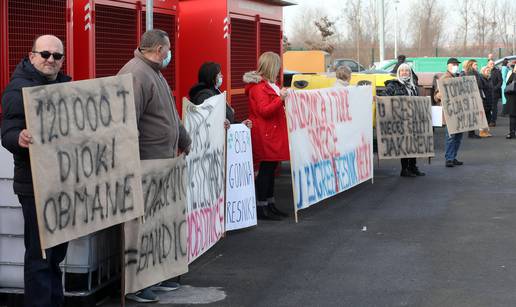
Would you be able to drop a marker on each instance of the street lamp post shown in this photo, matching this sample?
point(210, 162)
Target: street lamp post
point(381, 29)
point(396, 2)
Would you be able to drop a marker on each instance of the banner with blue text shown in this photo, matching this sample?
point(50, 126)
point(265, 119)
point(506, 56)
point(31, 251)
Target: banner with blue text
point(331, 137)
point(240, 195)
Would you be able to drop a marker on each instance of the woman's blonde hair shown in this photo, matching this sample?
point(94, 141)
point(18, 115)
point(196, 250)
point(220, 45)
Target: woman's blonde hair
point(269, 65)
point(468, 67)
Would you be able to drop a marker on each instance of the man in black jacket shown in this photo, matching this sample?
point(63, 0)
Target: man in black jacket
point(42, 277)
point(496, 80)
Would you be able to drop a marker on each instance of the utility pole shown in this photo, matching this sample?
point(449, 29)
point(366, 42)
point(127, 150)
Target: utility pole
point(149, 22)
point(396, 2)
point(381, 29)
point(514, 38)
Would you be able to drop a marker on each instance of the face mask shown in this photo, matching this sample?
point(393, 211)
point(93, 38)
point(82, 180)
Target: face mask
point(166, 60)
point(455, 69)
point(219, 82)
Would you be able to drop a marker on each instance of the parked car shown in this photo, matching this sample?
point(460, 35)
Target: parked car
point(511, 58)
point(352, 64)
point(431, 64)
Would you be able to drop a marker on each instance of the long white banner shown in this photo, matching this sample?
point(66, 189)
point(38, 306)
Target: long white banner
point(240, 194)
point(331, 137)
point(205, 192)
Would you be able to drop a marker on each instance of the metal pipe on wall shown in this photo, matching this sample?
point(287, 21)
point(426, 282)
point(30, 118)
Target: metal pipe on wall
point(149, 22)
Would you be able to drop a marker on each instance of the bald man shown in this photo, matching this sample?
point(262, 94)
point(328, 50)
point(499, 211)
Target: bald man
point(42, 66)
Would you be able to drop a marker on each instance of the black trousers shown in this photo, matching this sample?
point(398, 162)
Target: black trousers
point(264, 183)
point(512, 123)
point(408, 163)
point(42, 277)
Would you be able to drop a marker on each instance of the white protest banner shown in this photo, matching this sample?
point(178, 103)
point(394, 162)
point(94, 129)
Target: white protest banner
point(155, 245)
point(437, 116)
point(240, 194)
point(84, 157)
point(330, 137)
point(462, 104)
point(205, 193)
point(404, 127)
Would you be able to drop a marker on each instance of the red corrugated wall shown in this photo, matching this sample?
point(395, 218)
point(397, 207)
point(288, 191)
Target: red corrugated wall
point(115, 38)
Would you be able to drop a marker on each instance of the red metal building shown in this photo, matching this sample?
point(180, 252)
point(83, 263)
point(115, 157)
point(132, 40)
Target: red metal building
point(99, 35)
point(233, 33)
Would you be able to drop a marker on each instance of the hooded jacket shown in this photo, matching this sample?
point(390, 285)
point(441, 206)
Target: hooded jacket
point(25, 75)
point(200, 92)
point(161, 132)
point(269, 135)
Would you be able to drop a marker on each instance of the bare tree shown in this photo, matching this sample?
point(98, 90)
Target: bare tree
point(463, 31)
point(426, 23)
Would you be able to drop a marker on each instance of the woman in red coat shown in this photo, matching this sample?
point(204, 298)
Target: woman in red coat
point(269, 134)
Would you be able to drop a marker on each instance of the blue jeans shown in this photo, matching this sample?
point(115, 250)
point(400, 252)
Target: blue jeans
point(452, 145)
point(43, 285)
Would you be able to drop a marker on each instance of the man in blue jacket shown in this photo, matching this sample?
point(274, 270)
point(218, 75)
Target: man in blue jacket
point(42, 277)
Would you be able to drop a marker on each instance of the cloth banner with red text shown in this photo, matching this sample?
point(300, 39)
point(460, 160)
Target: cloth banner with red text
point(331, 137)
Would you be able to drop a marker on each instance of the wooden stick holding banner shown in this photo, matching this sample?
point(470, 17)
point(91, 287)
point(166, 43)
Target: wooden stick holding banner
point(84, 157)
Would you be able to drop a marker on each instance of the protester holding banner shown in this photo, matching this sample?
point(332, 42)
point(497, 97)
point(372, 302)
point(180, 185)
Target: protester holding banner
point(470, 68)
point(209, 82)
point(511, 104)
point(161, 133)
point(42, 276)
point(404, 85)
point(453, 141)
point(269, 134)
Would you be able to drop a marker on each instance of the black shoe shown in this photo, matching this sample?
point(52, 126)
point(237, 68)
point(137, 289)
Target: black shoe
point(457, 162)
point(407, 173)
point(276, 211)
point(474, 136)
point(510, 135)
point(417, 172)
point(263, 213)
point(449, 163)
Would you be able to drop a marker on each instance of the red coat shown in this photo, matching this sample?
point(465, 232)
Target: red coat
point(269, 134)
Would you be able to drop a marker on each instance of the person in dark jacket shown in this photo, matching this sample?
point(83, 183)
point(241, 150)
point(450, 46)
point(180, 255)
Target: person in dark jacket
point(511, 106)
point(401, 60)
point(488, 101)
point(209, 82)
point(404, 85)
point(496, 80)
point(42, 277)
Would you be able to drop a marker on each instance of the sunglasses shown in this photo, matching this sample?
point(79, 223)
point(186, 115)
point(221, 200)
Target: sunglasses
point(46, 55)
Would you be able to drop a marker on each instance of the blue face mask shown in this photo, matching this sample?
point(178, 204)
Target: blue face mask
point(166, 60)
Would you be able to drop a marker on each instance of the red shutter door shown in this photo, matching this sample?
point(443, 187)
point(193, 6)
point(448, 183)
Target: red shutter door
point(29, 19)
point(166, 23)
point(243, 59)
point(115, 38)
point(270, 38)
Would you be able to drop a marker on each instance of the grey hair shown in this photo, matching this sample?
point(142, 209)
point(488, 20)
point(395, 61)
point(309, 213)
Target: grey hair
point(343, 73)
point(153, 38)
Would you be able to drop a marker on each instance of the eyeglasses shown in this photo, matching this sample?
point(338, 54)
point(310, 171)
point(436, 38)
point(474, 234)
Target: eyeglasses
point(46, 55)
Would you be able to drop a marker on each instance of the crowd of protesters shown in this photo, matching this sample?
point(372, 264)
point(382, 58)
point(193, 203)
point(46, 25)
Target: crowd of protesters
point(156, 113)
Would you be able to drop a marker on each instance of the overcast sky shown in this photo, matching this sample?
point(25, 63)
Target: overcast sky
point(335, 7)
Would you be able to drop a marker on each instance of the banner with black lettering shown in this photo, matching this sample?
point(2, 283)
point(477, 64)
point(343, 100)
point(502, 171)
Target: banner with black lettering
point(240, 193)
point(155, 244)
point(462, 104)
point(206, 181)
point(84, 156)
point(330, 136)
point(404, 127)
